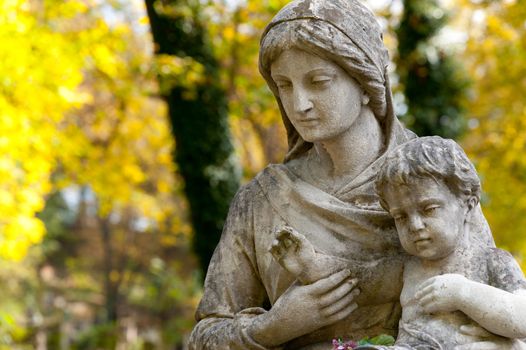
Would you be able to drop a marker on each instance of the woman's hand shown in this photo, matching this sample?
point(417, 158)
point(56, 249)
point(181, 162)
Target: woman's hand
point(303, 309)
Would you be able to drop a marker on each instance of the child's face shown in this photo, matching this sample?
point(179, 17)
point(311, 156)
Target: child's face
point(429, 218)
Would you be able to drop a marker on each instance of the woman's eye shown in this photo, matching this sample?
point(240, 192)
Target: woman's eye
point(283, 84)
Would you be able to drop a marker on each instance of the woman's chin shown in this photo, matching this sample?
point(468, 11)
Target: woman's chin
point(319, 137)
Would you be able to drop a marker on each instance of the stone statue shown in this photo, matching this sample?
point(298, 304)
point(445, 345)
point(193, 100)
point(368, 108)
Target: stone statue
point(430, 188)
point(326, 64)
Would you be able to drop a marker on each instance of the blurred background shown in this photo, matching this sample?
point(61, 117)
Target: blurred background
point(126, 126)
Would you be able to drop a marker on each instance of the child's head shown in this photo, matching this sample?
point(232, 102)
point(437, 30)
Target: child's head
point(429, 186)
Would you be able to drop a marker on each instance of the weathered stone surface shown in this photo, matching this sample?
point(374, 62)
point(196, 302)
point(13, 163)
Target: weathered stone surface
point(432, 191)
point(308, 254)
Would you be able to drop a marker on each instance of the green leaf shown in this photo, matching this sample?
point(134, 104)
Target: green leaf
point(383, 339)
point(364, 341)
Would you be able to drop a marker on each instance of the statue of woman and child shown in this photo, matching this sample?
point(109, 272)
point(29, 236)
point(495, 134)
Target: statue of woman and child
point(365, 229)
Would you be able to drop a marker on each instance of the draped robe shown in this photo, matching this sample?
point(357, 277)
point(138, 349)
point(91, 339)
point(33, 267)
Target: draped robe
point(244, 280)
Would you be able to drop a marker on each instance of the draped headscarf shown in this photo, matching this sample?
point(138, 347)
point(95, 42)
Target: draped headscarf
point(344, 32)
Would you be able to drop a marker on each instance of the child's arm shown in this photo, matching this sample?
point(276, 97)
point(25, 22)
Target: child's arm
point(496, 310)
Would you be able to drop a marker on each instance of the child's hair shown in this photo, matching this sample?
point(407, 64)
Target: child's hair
point(433, 157)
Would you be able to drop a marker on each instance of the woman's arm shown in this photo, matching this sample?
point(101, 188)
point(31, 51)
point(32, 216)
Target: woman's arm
point(304, 309)
point(231, 315)
point(233, 292)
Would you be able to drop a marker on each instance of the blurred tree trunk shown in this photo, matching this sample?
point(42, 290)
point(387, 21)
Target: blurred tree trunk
point(432, 81)
point(111, 289)
point(199, 119)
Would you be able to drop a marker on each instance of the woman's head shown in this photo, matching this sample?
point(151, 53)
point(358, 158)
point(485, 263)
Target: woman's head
point(320, 99)
point(326, 41)
point(344, 32)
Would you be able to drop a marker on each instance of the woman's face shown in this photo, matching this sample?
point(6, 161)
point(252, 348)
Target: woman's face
point(321, 100)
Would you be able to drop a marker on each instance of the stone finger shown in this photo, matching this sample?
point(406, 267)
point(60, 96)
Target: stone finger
point(423, 302)
point(297, 237)
point(283, 233)
point(338, 305)
point(324, 285)
point(277, 249)
point(424, 291)
point(273, 249)
point(338, 293)
point(344, 313)
point(287, 242)
point(427, 282)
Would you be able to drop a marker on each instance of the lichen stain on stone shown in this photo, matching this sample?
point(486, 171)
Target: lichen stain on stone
point(315, 9)
point(303, 8)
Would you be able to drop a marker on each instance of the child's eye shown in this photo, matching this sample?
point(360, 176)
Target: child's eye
point(430, 209)
point(399, 217)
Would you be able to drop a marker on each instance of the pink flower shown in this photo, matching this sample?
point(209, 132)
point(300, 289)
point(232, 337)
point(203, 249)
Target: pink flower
point(338, 344)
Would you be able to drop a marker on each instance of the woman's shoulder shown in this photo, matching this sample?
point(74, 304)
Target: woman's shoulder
point(505, 272)
point(273, 180)
point(253, 191)
point(251, 204)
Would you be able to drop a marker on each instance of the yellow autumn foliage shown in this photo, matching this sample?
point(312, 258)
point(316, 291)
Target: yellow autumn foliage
point(496, 58)
point(254, 117)
point(76, 109)
point(33, 103)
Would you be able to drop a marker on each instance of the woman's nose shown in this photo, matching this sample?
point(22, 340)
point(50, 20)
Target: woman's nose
point(302, 101)
point(416, 223)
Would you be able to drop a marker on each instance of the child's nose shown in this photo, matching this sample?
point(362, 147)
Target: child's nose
point(416, 223)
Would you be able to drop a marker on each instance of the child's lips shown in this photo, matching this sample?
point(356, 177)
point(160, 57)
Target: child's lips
point(422, 240)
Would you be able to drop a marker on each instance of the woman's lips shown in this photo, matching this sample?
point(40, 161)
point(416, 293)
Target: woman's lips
point(308, 121)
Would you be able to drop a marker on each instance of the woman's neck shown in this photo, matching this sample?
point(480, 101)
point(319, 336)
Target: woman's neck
point(351, 152)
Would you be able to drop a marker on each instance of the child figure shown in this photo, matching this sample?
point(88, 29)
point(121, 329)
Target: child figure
point(430, 188)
